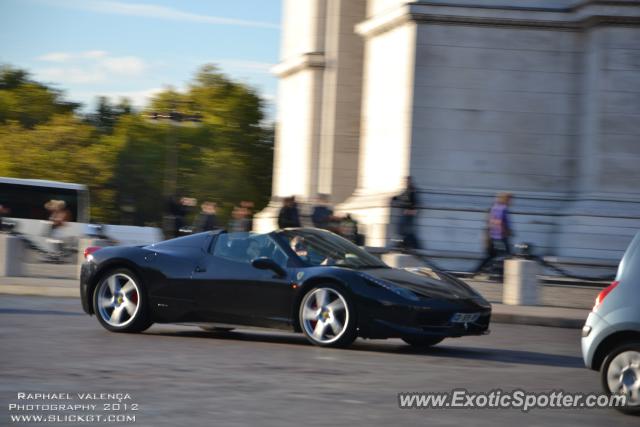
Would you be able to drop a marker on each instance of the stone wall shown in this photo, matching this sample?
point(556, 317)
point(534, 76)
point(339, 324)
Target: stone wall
point(527, 98)
point(539, 97)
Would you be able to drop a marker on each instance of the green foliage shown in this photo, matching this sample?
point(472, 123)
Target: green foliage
point(107, 114)
point(28, 102)
point(132, 163)
point(63, 149)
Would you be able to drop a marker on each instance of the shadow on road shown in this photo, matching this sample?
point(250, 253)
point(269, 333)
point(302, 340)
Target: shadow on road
point(39, 312)
point(505, 356)
point(442, 350)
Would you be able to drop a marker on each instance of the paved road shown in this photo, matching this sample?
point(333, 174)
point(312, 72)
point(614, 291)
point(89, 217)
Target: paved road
point(181, 376)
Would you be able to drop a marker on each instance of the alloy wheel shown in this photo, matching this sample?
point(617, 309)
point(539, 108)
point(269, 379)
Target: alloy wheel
point(118, 300)
point(623, 376)
point(325, 315)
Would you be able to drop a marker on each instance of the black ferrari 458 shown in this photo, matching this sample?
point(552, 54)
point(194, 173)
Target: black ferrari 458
point(306, 280)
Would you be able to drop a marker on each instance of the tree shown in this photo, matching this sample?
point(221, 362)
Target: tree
point(228, 156)
point(28, 102)
point(127, 160)
point(63, 149)
point(107, 114)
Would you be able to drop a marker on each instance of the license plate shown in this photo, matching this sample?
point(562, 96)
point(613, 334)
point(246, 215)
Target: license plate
point(465, 317)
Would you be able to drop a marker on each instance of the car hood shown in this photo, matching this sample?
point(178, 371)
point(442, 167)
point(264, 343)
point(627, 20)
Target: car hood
point(425, 282)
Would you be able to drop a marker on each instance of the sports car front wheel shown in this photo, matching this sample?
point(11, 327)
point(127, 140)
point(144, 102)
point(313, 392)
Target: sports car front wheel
point(120, 303)
point(327, 318)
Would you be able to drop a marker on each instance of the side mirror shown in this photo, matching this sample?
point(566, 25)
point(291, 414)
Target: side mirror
point(264, 263)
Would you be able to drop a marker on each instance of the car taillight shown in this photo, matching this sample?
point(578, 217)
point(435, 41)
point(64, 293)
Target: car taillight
point(90, 250)
point(601, 296)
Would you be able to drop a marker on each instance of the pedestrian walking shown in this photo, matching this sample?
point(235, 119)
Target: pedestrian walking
point(322, 214)
point(240, 219)
point(407, 201)
point(177, 210)
point(498, 231)
point(349, 229)
point(248, 212)
point(206, 220)
point(289, 215)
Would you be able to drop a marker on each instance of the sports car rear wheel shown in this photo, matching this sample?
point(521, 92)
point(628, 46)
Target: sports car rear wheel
point(120, 303)
point(327, 318)
point(422, 342)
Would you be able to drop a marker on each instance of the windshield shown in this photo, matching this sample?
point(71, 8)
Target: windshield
point(319, 247)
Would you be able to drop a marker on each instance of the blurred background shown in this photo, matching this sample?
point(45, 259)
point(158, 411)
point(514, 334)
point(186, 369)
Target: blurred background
point(165, 113)
point(456, 129)
point(87, 90)
point(469, 98)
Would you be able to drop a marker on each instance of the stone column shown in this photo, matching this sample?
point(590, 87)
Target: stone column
point(386, 124)
point(341, 100)
point(604, 213)
point(299, 106)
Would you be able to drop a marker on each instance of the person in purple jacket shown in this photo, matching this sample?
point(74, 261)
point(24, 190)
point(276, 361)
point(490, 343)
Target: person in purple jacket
point(498, 230)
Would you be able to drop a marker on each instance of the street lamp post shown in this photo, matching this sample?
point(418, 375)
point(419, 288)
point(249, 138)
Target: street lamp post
point(173, 118)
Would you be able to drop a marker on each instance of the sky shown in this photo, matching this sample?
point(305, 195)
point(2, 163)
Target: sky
point(135, 48)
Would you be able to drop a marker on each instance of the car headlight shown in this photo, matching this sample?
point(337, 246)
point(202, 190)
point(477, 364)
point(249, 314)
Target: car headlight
point(390, 286)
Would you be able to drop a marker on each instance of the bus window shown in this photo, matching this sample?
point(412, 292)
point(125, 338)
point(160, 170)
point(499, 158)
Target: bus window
point(26, 198)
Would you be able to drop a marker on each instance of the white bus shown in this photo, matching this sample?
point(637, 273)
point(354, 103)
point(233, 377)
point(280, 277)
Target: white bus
point(25, 198)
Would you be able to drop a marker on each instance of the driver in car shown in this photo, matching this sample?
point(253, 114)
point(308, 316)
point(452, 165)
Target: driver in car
point(300, 247)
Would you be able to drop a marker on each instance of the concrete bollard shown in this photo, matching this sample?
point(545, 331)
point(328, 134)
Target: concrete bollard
point(11, 256)
point(520, 282)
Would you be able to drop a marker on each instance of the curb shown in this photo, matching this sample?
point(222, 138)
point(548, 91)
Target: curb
point(43, 291)
point(551, 321)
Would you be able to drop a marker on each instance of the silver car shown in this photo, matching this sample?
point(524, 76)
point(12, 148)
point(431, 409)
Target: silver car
point(611, 335)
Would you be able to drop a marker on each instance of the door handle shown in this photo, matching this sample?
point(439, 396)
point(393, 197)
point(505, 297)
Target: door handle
point(200, 269)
